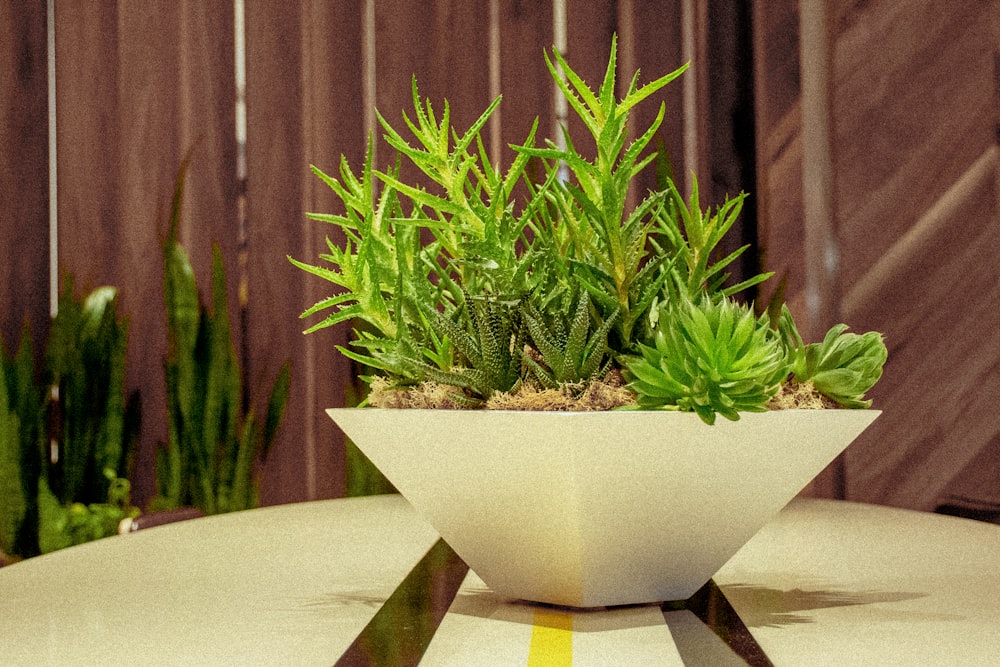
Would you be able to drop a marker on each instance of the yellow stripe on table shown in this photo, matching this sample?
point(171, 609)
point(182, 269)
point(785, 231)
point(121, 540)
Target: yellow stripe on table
point(551, 639)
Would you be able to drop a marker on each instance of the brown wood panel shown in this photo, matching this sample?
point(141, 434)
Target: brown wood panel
point(444, 45)
point(650, 41)
point(527, 88)
point(779, 195)
point(89, 134)
point(303, 105)
point(916, 104)
point(914, 169)
point(589, 28)
point(942, 324)
point(24, 172)
point(138, 85)
point(914, 94)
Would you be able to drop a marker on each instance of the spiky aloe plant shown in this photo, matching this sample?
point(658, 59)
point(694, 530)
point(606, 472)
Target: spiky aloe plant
point(605, 245)
point(709, 357)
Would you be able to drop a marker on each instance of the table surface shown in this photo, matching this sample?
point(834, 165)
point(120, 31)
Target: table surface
point(825, 582)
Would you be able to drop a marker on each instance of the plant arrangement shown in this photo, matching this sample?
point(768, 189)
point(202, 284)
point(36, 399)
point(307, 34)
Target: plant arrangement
point(463, 296)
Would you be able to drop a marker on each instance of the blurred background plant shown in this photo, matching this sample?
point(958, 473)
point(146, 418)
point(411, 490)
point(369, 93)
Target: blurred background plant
point(214, 440)
point(67, 434)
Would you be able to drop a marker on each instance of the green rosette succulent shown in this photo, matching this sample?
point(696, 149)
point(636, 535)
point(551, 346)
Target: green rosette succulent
point(711, 357)
point(843, 367)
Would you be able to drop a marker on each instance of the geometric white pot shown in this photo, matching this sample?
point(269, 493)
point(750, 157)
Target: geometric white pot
point(589, 509)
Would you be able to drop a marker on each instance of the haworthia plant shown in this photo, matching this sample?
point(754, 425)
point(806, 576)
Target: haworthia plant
point(844, 366)
point(712, 357)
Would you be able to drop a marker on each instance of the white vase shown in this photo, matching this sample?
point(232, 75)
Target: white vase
point(589, 509)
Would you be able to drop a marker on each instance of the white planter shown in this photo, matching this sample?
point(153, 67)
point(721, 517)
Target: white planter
point(593, 509)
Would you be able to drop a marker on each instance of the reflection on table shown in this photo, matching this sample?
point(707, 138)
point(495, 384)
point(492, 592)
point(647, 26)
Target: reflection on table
point(366, 581)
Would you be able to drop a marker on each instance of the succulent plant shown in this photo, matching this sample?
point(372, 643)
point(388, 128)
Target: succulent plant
point(844, 366)
point(709, 357)
point(568, 352)
point(452, 281)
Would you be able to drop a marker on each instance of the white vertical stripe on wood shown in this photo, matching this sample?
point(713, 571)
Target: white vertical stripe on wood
point(817, 168)
point(50, 28)
point(496, 123)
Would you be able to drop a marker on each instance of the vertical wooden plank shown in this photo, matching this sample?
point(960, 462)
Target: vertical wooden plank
point(126, 93)
point(525, 33)
point(24, 166)
point(694, 37)
point(207, 120)
point(655, 48)
point(589, 29)
point(89, 133)
point(731, 130)
point(821, 243)
point(821, 248)
point(449, 56)
point(778, 145)
point(303, 93)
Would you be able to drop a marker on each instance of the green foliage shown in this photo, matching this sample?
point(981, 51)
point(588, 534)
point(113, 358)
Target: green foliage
point(65, 525)
point(710, 357)
point(208, 461)
point(13, 495)
point(491, 347)
point(844, 366)
point(448, 278)
point(85, 364)
point(66, 436)
point(604, 244)
point(94, 430)
point(692, 236)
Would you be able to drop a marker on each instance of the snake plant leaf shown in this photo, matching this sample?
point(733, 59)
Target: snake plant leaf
point(13, 503)
point(207, 461)
point(276, 402)
point(53, 520)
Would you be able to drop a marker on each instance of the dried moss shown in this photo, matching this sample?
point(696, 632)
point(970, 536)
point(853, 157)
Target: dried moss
point(427, 395)
point(595, 396)
point(606, 394)
point(800, 396)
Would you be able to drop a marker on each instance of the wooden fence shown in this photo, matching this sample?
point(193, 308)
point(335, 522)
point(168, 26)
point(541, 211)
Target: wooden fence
point(139, 84)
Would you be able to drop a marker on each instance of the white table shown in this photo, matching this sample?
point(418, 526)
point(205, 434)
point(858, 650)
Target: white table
point(825, 583)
